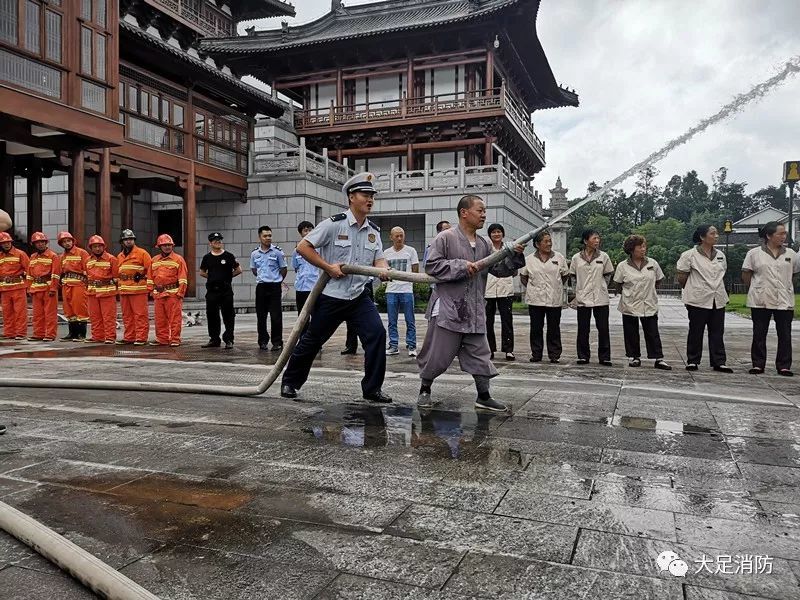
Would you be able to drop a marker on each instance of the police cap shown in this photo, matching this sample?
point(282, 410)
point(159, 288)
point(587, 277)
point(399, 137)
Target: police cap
point(363, 182)
point(215, 236)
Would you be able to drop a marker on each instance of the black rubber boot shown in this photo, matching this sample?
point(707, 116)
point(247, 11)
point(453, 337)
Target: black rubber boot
point(71, 334)
point(80, 331)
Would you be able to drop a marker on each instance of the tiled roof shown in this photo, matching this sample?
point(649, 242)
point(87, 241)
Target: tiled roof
point(258, 9)
point(362, 21)
point(261, 101)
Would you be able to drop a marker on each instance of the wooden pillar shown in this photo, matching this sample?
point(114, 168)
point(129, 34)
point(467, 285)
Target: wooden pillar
point(339, 89)
point(126, 190)
point(34, 181)
point(190, 230)
point(490, 69)
point(410, 79)
point(103, 197)
point(410, 158)
point(6, 181)
point(488, 155)
point(77, 197)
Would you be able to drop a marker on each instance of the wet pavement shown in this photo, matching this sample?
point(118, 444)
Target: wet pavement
point(597, 472)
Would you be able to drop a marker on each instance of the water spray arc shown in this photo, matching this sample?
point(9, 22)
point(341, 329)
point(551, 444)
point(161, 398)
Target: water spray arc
point(791, 67)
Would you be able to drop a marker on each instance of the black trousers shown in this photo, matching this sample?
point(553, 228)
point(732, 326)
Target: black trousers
point(652, 338)
point(362, 316)
point(538, 315)
point(699, 319)
point(783, 325)
point(300, 299)
point(351, 342)
point(502, 305)
point(220, 303)
point(603, 336)
point(268, 303)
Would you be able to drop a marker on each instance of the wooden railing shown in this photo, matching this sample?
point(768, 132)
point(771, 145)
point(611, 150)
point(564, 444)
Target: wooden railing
point(406, 108)
point(199, 13)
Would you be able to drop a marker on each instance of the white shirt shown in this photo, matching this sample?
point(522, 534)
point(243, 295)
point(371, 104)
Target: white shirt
point(498, 287)
point(705, 287)
point(591, 288)
point(639, 297)
point(545, 279)
point(400, 260)
point(771, 286)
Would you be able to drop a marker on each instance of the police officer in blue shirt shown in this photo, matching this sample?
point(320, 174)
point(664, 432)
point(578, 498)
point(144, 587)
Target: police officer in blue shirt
point(347, 238)
point(268, 264)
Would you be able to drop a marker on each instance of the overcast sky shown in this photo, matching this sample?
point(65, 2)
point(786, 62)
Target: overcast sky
point(646, 70)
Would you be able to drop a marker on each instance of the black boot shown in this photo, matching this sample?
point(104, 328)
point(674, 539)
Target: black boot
point(80, 332)
point(71, 334)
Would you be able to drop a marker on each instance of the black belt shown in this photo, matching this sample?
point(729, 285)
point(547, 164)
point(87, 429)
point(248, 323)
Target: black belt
point(137, 277)
point(73, 275)
point(42, 279)
point(168, 286)
point(14, 279)
point(100, 282)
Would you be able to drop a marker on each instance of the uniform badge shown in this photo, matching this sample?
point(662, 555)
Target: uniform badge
point(371, 238)
point(369, 177)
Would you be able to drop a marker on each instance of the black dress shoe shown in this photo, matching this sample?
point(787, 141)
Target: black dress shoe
point(348, 351)
point(785, 373)
point(378, 396)
point(606, 363)
point(582, 361)
point(723, 369)
point(263, 347)
point(756, 371)
point(211, 345)
point(288, 391)
point(228, 345)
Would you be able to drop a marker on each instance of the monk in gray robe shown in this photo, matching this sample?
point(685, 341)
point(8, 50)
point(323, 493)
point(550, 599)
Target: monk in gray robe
point(456, 311)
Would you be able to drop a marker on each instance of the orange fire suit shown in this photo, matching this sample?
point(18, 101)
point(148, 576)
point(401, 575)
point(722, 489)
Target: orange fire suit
point(167, 280)
point(13, 269)
point(102, 272)
point(73, 284)
point(133, 293)
point(44, 273)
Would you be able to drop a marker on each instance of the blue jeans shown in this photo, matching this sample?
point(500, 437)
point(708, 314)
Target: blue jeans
point(394, 304)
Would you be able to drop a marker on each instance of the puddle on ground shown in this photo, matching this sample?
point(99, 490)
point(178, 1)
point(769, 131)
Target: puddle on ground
point(660, 426)
point(453, 433)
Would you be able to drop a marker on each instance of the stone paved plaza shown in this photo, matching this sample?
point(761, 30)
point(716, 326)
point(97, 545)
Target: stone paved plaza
point(596, 473)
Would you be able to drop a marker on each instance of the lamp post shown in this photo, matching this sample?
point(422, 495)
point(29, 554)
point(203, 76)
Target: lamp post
point(727, 230)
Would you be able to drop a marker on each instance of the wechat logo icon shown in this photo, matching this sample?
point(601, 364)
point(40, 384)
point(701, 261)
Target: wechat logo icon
point(669, 561)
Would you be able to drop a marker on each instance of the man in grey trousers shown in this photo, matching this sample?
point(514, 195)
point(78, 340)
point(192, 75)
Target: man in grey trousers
point(456, 311)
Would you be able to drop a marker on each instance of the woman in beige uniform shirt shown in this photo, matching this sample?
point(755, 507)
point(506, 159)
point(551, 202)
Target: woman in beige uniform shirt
point(499, 297)
point(768, 271)
point(701, 273)
point(637, 278)
point(543, 276)
point(592, 269)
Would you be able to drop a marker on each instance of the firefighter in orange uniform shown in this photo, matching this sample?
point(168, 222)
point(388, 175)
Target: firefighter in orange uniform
point(167, 280)
point(73, 286)
point(102, 271)
point(44, 273)
point(134, 263)
point(13, 270)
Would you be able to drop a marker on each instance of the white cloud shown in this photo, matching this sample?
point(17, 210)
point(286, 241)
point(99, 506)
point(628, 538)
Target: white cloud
point(646, 70)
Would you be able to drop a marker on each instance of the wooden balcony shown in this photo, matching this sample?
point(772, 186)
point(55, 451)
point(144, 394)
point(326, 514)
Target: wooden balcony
point(200, 15)
point(395, 112)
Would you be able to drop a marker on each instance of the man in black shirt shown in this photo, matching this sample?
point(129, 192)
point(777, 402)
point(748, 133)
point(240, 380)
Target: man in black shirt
point(219, 267)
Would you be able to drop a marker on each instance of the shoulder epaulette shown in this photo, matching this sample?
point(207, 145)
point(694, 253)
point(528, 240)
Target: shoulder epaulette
point(339, 217)
point(278, 248)
point(375, 227)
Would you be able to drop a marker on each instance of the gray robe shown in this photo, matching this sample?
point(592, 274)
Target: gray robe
point(461, 303)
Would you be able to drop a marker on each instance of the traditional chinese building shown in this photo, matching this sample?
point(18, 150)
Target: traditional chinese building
point(106, 104)
point(434, 96)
